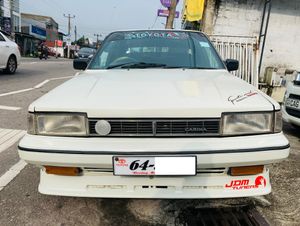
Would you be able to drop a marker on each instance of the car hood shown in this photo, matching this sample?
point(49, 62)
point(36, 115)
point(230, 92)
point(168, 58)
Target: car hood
point(152, 93)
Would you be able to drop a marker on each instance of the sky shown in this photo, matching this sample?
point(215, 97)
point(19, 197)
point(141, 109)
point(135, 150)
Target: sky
point(101, 16)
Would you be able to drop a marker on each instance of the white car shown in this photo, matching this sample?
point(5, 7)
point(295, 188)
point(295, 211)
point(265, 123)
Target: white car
point(9, 55)
point(291, 105)
point(155, 114)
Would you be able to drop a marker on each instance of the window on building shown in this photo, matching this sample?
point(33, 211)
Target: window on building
point(16, 6)
point(16, 23)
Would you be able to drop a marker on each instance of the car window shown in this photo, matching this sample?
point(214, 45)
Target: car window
point(172, 49)
point(2, 38)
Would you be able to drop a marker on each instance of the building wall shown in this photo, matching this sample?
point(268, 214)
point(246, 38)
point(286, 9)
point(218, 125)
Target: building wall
point(243, 17)
point(46, 23)
point(33, 27)
point(16, 16)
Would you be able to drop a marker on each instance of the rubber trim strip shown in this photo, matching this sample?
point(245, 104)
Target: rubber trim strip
point(155, 153)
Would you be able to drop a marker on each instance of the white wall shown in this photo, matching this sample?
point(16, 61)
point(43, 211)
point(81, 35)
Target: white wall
point(243, 17)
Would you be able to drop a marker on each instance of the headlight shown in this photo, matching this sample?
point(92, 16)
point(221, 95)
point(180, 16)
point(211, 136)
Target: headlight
point(251, 123)
point(57, 124)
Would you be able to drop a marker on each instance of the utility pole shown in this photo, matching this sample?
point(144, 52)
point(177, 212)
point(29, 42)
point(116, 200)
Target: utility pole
point(97, 43)
point(69, 30)
point(171, 17)
point(69, 22)
point(75, 31)
point(1, 18)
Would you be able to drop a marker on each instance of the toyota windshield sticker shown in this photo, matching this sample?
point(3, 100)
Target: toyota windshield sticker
point(147, 34)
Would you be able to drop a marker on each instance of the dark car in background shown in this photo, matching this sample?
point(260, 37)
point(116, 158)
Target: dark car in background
point(85, 53)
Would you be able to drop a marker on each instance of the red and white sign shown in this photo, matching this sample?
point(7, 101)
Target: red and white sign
point(59, 43)
point(165, 13)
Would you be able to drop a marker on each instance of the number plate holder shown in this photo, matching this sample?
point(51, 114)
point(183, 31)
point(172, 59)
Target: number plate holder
point(154, 165)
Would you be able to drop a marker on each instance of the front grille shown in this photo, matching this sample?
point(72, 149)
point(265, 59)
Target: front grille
point(294, 96)
point(159, 127)
point(293, 112)
point(201, 171)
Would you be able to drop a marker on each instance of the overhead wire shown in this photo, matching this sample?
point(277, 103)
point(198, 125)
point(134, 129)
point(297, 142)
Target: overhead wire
point(160, 7)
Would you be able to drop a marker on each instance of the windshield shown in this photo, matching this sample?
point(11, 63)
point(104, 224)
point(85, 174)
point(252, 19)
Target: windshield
point(165, 49)
point(87, 50)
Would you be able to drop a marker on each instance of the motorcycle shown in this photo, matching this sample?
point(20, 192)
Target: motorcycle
point(43, 53)
point(43, 56)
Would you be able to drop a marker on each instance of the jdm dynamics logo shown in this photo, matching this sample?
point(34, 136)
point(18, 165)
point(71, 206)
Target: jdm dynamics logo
point(259, 182)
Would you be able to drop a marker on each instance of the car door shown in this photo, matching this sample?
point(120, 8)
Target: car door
point(4, 51)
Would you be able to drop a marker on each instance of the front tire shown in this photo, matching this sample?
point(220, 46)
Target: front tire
point(11, 66)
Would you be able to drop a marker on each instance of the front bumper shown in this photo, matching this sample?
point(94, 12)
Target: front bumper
point(289, 118)
point(106, 185)
point(97, 153)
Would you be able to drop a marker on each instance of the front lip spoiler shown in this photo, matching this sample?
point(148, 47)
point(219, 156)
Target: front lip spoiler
point(155, 153)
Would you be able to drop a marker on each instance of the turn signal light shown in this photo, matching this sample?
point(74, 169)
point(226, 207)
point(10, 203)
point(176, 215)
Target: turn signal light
point(246, 170)
point(63, 171)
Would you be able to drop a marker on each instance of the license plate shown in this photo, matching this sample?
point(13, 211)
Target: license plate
point(150, 166)
point(292, 103)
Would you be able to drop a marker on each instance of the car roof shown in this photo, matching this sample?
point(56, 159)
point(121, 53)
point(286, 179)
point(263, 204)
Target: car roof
point(173, 30)
point(87, 48)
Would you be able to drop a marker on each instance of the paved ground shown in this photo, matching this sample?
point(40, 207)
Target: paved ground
point(21, 204)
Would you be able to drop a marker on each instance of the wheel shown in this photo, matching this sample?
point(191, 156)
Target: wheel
point(11, 65)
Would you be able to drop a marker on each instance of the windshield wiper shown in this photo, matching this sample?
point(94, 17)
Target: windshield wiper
point(136, 65)
point(152, 65)
point(119, 65)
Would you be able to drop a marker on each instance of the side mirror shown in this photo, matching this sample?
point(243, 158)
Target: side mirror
point(80, 64)
point(232, 65)
point(297, 79)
